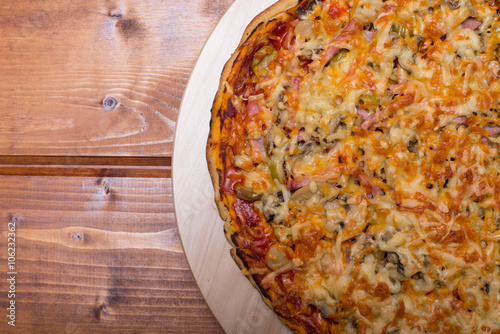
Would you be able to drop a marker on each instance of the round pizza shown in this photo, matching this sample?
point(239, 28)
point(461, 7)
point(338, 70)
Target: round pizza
point(354, 152)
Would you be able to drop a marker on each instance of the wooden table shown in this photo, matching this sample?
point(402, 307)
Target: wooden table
point(89, 95)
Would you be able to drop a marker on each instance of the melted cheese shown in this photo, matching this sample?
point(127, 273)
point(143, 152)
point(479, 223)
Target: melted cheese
point(399, 231)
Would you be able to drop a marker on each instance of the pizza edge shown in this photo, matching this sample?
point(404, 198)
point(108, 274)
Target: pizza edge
point(215, 156)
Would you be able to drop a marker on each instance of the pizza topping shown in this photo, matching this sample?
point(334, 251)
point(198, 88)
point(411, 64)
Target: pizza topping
point(296, 184)
point(278, 256)
point(453, 4)
point(337, 10)
point(247, 193)
point(231, 179)
point(262, 58)
point(305, 29)
point(471, 23)
point(252, 107)
point(337, 55)
point(304, 9)
point(493, 130)
point(401, 30)
point(366, 164)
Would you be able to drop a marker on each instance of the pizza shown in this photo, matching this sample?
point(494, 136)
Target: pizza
point(354, 153)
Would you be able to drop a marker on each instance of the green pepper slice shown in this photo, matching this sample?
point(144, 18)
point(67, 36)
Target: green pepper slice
point(262, 58)
point(370, 99)
point(399, 29)
point(339, 56)
point(273, 171)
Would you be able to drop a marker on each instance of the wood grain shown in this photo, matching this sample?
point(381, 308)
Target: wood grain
point(60, 60)
point(155, 167)
point(98, 256)
point(89, 97)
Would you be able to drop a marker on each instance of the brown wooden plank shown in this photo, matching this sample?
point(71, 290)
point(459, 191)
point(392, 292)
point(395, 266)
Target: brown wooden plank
point(86, 171)
point(63, 63)
point(84, 160)
point(97, 255)
point(154, 167)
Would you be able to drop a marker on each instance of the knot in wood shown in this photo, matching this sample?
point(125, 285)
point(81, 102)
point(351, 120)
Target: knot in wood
point(109, 103)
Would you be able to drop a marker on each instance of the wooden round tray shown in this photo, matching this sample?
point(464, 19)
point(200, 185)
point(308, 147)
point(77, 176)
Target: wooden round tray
point(233, 300)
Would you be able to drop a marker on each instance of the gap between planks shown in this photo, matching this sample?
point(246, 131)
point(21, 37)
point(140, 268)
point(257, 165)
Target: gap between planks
point(85, 166)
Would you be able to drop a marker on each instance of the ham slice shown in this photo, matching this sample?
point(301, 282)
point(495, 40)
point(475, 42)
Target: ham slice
point(253, 107)
point(350, 29)
point(362, 112)
point(324, 57)
point(369, 121)
point(301, 136)
point(258, 144)
point(375, 191)
point(258, 149)
point(298, 183)
point(368, 35)
point(471, 23)
point(493, 130)
point(330, 52)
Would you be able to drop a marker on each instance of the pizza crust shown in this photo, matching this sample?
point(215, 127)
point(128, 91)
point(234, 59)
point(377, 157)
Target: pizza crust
point(214, 140)
point(220, 101)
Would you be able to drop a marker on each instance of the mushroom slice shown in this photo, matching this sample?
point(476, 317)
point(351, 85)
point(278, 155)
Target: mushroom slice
point(453, 4)
point(276, 256)
point(326, 309)
point(307, 191)
point(246, 193)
